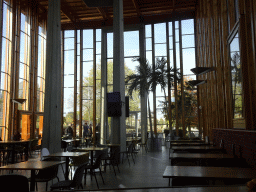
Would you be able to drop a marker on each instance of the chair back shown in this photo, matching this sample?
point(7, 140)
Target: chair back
point(146, 141)
point(14, 182)
point(96, 165)
point(78, 176)
point(76, 161)
point(44, 152)
point(130, 148)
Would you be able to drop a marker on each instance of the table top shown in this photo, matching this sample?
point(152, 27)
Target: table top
point(188, 144)
point(71, 140)
point(133, 138)
point(67, 154)
point(232, 188)
point(209, 172)
point(31, 165)
point(194, 147)
point(13, 142)
point(112, 145)
point(201, 156)
point(185, 141)
point(93, 149)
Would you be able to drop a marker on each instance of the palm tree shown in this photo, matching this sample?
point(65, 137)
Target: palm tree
point(164, 76)
point(141, 81)
point(146, 79)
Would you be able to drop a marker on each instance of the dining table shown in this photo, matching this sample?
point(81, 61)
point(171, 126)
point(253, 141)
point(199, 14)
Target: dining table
point(206, 159)
point(32, 166)
point(67, 155)
point(209, 173)
point(12, 146)
point(197, 149)
point(186, 141)
point(92, 149)
point(189, 144)
point(236, 188)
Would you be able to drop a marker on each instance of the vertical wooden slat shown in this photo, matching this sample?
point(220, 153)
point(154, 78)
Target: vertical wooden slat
point(75, 83)
point(169, 84)
point(175, 79)
point(182, 80)
point(94, 85)
point(81, 84)
point(14, 74)
point(153, 67)
point(62, 77)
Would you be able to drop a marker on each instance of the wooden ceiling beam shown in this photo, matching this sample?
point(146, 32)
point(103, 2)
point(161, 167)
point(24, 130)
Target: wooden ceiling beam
point(99, 23)
point(136, 5)
point(68, 13)
point(103, 13)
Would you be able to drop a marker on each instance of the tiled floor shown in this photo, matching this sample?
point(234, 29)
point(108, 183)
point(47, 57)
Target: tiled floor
point(146, 172)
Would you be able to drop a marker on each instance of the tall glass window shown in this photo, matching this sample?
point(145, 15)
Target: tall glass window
point(68, 99)
point(41, 68)
point(5, 68)
point(181, 56)
point(24, 68)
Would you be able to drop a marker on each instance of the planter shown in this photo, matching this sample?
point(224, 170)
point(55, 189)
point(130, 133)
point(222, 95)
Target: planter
point(155, 144)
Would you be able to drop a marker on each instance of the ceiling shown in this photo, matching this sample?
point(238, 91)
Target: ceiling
point(82, 14)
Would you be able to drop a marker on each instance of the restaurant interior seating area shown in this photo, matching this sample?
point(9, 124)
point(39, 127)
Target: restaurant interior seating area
point(128, 95)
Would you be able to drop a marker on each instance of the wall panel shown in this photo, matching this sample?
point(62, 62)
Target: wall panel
point(215, 21)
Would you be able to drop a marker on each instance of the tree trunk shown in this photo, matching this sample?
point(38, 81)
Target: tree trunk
point(151, 128)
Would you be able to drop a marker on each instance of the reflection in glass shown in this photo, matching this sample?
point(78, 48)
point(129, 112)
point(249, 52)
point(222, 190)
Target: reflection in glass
point(236, 75)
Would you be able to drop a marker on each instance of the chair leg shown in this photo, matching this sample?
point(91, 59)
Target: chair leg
point(114, 169)
point(85, 171)
point(133, 158)
point(101, 177)
point(128, 158)
point(96, 179)
point(46, 185)
point(118, 168)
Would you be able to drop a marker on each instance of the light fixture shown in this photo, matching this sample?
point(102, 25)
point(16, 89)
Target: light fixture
point(202, 70)
point(196, 82)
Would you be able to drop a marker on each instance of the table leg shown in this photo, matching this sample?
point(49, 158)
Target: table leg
point(13, 151)
point(32, 182)
point(26, 152)
point(91, 161)
point(67, 172)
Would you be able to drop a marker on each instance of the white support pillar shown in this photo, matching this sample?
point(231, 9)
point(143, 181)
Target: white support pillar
point(52, 103)
point(104, 117)
point(118, 130)
point(143, 101)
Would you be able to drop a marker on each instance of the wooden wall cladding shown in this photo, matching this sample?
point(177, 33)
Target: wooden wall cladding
point(244, 143)
point(215, 20)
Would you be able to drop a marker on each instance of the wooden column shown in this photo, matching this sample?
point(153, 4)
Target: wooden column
point(182, 81)
point(154, 86)
point(175, 79)
point(94, 85)
point(81, 86)
point(75, 83)
point(169, 84)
